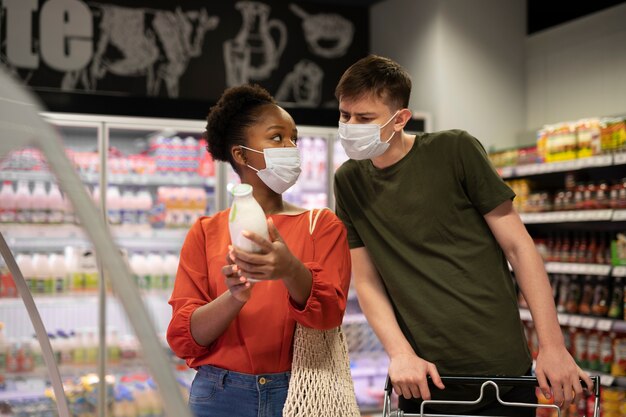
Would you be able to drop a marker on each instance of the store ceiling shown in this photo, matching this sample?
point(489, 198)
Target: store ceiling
point(544, 14)
point(541, 14)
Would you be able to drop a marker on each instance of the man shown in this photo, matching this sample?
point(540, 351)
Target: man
point(431, 226)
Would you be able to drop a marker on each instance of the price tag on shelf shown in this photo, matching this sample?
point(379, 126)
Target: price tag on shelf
point(619, 158)
point(575, 321)
point(579, 215)
point(588, 323)
point(564, 319)
point(619, 271)
point(619, 215)
point(607, 380)
point(604, 325)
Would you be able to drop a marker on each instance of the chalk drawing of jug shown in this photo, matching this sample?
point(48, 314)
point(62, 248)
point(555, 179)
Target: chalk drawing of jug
point(254, 53)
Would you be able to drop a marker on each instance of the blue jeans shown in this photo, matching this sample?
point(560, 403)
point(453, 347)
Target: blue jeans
point(217, 392)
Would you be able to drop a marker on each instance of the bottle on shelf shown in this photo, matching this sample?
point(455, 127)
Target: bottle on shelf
point(24, 202)
point(8, 203)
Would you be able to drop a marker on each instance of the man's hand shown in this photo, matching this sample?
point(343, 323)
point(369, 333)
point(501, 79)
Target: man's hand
point(559, 376)
point(408, 374)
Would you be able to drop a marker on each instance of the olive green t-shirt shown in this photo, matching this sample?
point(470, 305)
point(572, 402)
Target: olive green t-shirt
point(422, 223)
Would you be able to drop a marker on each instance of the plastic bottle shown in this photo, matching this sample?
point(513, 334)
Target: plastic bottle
point(8, 203)
point(7, 285)
point(155, 269)
point(66, 353)
point(128, 208)
point(75, 280)
point(43, 276)
point(246, 214)
point(24, 202)
point(141, 274)
point(144, 204)
point(56, 205)
point(25, 262)
point(114, 205)
point(39, 198)
point(58, 272)
point(171, 267)
point(38, 362)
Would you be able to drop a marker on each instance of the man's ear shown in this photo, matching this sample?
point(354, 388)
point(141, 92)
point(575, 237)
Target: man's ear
point(404, 116)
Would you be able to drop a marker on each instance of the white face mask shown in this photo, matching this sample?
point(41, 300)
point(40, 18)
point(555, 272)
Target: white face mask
point(362, 141)
point(282, 167)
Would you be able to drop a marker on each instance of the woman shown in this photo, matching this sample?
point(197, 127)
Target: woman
point(238, 333)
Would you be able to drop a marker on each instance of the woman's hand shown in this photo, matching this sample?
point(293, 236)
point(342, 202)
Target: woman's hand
point(240, 288)
point(274, 261)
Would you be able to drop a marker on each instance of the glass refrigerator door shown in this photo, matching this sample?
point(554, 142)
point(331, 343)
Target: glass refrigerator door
point(160, 179)
point(41, 230)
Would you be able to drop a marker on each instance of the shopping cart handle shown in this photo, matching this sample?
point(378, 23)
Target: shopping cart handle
point(500, 380)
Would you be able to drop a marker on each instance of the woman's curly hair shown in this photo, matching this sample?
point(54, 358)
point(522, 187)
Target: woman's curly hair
point(227, 121)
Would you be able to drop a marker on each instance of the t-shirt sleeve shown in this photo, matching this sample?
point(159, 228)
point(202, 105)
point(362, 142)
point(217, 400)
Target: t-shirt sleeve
point(340, 184)
point(330, 269)
point(484, 187)
point(190, 292)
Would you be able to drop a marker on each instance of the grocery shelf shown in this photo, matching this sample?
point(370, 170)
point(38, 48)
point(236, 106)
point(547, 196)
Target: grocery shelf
point(55, 237)
point(564, 166)
point(93, 178)
point(573, 216)
point(577, 268)
point(619, 271)
point(583, 322)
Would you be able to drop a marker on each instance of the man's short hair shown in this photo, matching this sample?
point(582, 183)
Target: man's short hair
point(376, 75)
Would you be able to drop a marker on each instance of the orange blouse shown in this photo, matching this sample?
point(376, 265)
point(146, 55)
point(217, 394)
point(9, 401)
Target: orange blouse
point(260, 338)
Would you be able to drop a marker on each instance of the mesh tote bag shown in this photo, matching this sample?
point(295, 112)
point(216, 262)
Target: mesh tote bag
point(321, 383)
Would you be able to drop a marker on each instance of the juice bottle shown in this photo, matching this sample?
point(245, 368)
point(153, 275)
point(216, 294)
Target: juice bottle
point(114, 205)
point(23, 203)
point(8, 203)
point(246, 214)
point(25, 263)
point(44, 283)
point(39, 199)
point(56, 205)
point(58, 272)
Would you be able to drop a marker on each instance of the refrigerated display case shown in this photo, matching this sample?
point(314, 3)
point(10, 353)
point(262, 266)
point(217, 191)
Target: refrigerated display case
point(119, 161)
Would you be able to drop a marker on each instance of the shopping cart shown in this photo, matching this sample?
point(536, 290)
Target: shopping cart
point(483, 382)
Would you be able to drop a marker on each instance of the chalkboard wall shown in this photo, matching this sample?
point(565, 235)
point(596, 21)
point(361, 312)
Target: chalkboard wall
point(174, 59)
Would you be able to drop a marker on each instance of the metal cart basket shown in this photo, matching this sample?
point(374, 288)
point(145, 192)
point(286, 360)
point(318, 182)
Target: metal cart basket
point(495, 382)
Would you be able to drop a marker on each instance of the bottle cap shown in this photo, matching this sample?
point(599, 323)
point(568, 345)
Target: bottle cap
point(241, 190)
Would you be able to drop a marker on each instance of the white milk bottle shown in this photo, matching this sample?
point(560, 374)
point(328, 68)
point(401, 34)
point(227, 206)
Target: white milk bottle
point(39, 213)
point(114, 203)
point(58, 271)
point(56, 205)
point(41, 273)
point(24, 202)
point(25, 262)
point(8, 203)
point(246, 214)
point(171, 267)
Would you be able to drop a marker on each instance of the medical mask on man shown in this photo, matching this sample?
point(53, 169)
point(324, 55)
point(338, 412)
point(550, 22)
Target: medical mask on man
point(282, 167)
point(362, 141)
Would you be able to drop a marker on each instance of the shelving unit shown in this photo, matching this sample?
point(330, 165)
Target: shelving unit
point(549, 177)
